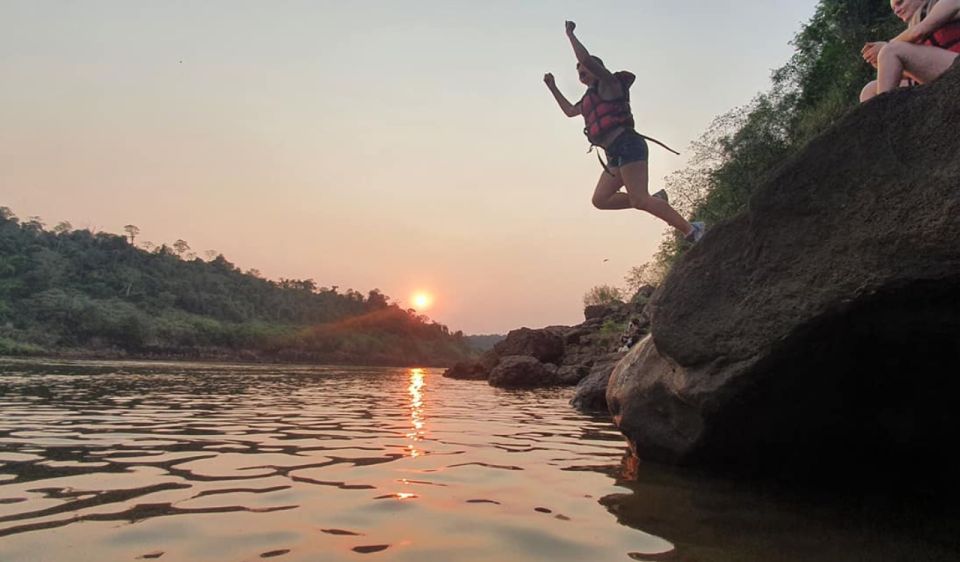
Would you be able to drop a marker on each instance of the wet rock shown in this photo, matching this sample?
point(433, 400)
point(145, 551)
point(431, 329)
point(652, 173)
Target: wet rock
point(518, 371)
point(474, 370)
point(467, 371)
point(591, 393)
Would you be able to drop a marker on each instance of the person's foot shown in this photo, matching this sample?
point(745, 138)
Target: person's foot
point(697, 233)
point(662, 194)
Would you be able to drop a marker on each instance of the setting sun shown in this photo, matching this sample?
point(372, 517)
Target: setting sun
point(421, 301)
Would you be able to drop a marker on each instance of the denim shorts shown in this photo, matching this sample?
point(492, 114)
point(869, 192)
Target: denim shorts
point(626, 148)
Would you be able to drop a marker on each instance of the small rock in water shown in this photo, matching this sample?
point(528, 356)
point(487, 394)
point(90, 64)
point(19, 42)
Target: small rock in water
point(543, 510)
point(150, 555)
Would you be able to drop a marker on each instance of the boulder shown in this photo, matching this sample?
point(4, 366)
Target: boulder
point(523, 371)
point(467, 370)
point(823, 322)
point(601, 311)
point(546, 345)
point(570, 375)
point(474, 370)
point(591, 393)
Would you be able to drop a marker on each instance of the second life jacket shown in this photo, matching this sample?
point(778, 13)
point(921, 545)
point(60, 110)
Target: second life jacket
point(601, 116)
point(947, 37)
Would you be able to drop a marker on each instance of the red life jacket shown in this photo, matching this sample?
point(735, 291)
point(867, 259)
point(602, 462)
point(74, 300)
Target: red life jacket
point(947, 37)
point(601, 116)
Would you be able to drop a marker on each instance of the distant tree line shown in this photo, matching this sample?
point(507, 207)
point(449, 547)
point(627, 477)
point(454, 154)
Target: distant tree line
point(68, 289)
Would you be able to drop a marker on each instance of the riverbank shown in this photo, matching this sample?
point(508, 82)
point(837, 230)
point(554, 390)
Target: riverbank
point(15, 350)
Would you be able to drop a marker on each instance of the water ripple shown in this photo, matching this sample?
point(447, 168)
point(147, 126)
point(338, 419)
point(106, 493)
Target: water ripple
point(287, 462)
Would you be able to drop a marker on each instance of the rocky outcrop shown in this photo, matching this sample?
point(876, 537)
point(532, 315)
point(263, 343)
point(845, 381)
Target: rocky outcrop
point(468, 370)
point(569, 354)
point(523, 371)
point(546, 345)
point(825, 320)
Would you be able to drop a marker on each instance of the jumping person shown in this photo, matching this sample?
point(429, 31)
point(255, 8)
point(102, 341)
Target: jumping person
point(609, 124)
point(922, 53)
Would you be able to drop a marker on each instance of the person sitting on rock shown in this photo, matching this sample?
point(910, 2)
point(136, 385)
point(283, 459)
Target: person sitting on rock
point(631, 335)
point(609, 124)
point(922, 53)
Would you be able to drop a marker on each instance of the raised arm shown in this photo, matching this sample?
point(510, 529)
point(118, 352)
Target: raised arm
point(583, 56)
point(568, 108)
point(942, 12)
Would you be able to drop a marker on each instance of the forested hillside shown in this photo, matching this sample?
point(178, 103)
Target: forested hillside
point(75, 291)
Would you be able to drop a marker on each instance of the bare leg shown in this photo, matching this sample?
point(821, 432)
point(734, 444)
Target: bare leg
point(923, 62)
point(636, 177)
point(607, 196)
point(870, 90)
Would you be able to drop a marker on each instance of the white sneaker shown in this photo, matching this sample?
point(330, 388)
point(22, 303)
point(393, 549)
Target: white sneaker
point(699, 229)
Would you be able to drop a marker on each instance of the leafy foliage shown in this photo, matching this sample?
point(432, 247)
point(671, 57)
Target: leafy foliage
point(602, 294)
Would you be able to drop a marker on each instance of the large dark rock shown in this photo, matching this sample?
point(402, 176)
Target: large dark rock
point(824, 322)
point(592, 390)
point(601, 311)
point(546, 345)
point(474, 370)
point(467, 370)
point(517, 371)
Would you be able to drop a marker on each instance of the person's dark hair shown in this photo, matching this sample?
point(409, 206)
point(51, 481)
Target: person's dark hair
point(597, 60)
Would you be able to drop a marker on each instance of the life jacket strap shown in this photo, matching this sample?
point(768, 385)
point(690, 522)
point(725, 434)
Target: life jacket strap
point(599, 159)
point(660, 143)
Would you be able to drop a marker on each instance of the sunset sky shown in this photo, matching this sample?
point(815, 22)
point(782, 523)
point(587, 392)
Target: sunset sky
point(406, 146)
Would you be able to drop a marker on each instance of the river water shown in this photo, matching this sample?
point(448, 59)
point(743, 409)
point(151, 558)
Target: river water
point(174, 461)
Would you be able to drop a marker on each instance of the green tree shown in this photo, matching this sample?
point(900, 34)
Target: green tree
point(132, 231)
point(181, 247)
point(603, 294)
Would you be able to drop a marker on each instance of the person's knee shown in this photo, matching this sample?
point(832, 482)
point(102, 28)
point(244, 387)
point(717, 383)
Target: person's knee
point(891, 49)
point(640, 201)
point(599, 202)
point(868, 92)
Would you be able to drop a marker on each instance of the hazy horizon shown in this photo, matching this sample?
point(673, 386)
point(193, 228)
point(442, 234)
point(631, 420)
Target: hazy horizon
point(366, 145)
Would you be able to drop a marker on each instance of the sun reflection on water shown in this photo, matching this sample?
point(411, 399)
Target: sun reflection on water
point(417, 420)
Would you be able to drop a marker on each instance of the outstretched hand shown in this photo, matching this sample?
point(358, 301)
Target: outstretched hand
point(549, 80)
point(570, 27)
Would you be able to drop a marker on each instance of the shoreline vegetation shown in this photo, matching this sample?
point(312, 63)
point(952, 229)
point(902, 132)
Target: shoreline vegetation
point(77, 294)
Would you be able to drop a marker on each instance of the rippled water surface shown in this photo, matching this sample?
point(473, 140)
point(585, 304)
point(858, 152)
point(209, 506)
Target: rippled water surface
point(168, 461)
